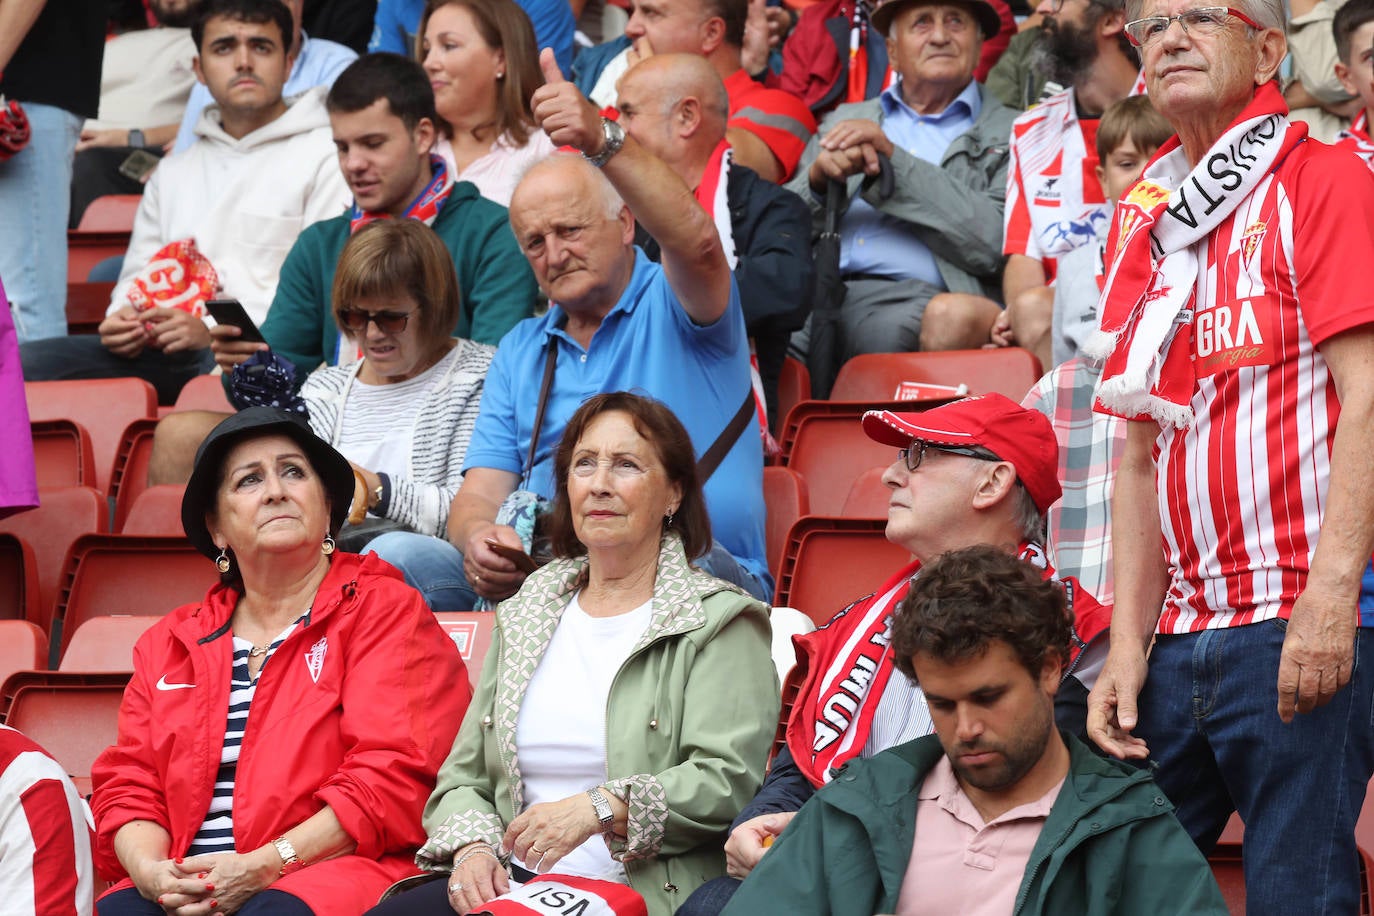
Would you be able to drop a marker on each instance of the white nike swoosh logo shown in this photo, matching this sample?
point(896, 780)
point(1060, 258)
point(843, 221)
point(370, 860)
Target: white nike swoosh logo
point(163, 685)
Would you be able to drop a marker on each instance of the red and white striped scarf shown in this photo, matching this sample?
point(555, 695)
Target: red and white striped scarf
point(425, 207)
point(1146, 309)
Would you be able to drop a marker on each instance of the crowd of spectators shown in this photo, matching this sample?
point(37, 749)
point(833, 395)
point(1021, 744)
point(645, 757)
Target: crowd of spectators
point(514, 283)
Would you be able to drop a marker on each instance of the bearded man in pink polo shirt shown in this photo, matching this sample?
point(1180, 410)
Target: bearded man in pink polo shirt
point(998, 811)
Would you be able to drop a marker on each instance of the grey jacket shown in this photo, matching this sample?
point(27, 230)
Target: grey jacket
point(955, 207)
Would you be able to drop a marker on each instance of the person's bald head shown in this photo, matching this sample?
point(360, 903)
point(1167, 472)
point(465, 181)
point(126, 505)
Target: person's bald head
point(575, 231)
point(676, 106)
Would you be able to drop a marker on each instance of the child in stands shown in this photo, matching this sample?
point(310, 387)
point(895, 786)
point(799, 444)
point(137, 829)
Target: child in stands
point(1127, 136)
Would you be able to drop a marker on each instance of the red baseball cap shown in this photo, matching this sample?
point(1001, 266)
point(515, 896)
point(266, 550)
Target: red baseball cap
point(997, 423)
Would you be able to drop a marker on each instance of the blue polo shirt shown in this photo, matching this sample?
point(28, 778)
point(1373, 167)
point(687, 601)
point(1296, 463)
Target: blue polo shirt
point(649, 345)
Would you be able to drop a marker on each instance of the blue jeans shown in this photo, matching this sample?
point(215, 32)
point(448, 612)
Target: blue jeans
point(1209, 714)
point(35, 194)
point(434, 568)
point(84, 356)
point(264, 903)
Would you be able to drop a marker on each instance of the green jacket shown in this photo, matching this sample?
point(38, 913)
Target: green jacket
point(497, 287)
point(955, 207)
point(1110, 845)
point(689, 721)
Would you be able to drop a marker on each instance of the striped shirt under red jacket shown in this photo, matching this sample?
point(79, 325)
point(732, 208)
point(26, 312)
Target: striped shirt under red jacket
point(1242, 490)
point(45, 835)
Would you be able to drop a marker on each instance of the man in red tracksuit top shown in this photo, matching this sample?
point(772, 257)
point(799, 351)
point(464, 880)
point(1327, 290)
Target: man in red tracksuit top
point(981, 470)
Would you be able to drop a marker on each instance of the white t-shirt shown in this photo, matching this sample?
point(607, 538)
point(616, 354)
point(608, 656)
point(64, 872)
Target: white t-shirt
point(372, 415)
point(560, 735)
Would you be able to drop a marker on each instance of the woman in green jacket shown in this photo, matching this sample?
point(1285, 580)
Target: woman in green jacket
point(628, 702)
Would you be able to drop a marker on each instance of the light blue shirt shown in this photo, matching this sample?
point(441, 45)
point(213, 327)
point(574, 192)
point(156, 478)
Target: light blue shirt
point(649, 345)
point(875, 243)
point(319, 64)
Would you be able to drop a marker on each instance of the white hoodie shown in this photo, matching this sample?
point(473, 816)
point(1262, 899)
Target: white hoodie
point(243, 201)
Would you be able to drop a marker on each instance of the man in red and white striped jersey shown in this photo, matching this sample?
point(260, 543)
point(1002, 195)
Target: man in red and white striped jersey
point(45, 835)
point(1237, 331)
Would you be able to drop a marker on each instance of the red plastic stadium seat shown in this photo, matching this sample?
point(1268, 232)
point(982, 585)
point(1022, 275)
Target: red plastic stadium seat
point(791, 686)
point(471, 632)
point(794, 386)
point(19, 597)
point(105, 407)
point(105, 643)
point(784, 495)
point(74, 717)
point(110, 213)
point(868, 495)
point(86, 306)
point(204, 392)
point(62, 516)
point(875, 376)
point(130, 476)
point(23, 647)
point(831, 562)
point(62, 454)
point(824, 442)
point(157, 511)
point(127, 574)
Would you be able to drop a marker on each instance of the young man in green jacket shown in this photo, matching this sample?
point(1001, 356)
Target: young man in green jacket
point(1011, 811)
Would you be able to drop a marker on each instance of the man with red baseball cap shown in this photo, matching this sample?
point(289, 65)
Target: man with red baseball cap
point(981, 470)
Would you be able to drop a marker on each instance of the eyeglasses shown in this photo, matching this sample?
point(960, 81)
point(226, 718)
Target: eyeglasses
point(1209, 20)
point(622, 468)
point(919, 446)
point(356, 320)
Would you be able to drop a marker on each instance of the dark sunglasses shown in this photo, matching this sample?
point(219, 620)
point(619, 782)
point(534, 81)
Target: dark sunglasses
point(356, 320)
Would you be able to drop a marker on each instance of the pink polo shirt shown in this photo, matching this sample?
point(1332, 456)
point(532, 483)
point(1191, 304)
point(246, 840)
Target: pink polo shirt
point(959, 865)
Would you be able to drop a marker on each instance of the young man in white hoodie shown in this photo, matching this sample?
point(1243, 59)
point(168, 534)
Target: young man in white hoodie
point(261, 170)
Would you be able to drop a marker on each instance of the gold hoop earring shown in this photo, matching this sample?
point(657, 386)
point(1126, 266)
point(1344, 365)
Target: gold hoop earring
point(327, 547)
point(222, 562)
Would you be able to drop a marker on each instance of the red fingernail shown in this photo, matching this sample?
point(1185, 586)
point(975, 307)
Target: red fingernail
point(159, 901)
point(209, 888)
point(178, 860)
point(201, 875)
point(213, 904)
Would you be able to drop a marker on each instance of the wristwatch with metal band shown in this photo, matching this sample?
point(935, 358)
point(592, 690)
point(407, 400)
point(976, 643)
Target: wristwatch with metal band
point(603, 810)
point(614, 135)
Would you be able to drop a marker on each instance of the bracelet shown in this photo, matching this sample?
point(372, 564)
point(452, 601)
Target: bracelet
point(484, 849)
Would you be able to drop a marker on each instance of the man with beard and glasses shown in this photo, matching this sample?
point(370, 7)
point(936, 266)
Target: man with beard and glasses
point(1054, 201)
point(1014, 815)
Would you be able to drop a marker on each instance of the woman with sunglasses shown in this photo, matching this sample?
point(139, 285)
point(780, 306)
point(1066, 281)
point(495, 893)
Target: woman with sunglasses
point(403, 412)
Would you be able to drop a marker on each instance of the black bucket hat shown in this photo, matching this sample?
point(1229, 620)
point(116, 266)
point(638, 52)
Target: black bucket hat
point(334, 470)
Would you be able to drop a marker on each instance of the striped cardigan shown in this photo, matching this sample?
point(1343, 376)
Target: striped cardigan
point(420, 498)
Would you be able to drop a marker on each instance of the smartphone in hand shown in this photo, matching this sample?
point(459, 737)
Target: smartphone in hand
point(231, 311)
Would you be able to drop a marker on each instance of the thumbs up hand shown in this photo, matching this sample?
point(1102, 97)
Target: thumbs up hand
point(563, 112)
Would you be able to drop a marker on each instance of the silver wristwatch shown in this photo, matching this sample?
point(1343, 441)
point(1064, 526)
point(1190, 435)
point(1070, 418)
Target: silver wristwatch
point(614, 136)
point(603, 809)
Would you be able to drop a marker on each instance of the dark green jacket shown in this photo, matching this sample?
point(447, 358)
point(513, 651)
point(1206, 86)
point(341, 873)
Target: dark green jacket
point(497, 287)
point(1110, 845)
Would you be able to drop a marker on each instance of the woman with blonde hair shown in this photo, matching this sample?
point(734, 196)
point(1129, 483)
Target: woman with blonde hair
point(483, 64)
